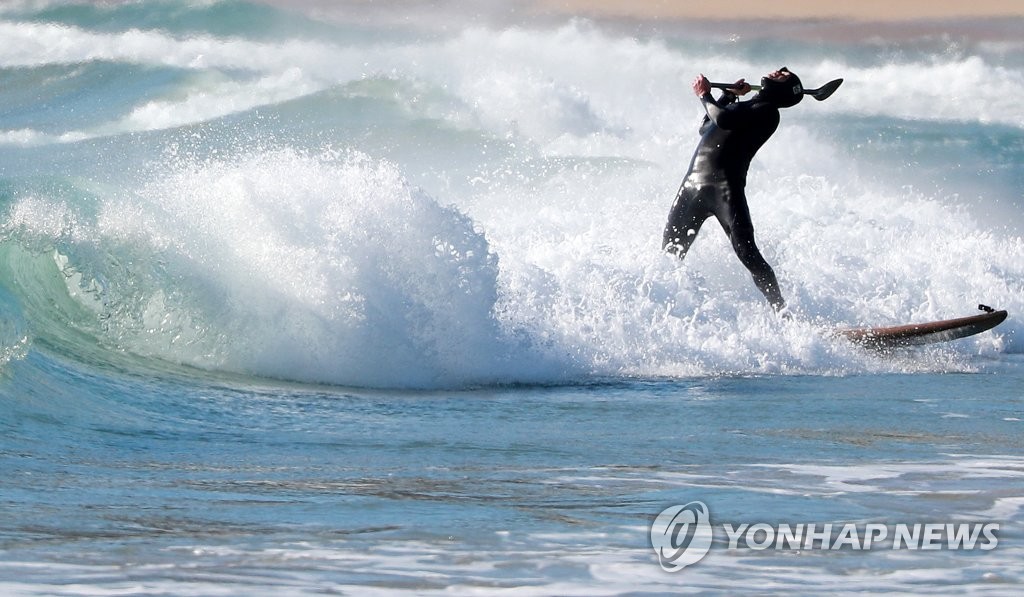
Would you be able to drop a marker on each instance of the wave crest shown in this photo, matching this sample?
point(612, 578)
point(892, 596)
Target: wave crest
point(312, 267)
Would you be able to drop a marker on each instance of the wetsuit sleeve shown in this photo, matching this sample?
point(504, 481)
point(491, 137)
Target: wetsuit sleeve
point(719, 104)
point(727, 114)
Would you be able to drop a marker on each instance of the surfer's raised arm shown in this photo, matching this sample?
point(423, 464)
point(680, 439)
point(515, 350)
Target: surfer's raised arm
point(716, 108)
point(702, 87)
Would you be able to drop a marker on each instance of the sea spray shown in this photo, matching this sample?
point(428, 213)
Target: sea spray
point(318, 268)
point(494, 212)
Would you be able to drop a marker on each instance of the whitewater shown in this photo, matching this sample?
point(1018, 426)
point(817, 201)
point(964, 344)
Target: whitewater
point(295, 300)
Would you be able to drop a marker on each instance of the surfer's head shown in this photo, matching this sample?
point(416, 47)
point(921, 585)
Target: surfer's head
point(782, 88)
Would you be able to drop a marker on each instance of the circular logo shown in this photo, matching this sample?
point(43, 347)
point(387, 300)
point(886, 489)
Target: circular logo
point(681, 535)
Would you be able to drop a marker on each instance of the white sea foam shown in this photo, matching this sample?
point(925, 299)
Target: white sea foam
point(33, 44)
point(553, 86)
point(524, 564)
point(320, 268)
point(961, 89)
point(313, 267)
point(219, 99)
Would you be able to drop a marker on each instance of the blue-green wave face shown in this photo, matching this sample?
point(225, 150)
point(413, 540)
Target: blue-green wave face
point(326, 196)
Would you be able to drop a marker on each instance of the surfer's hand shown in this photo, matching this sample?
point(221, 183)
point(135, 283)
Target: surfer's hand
point(701, 85)
point(740, 87)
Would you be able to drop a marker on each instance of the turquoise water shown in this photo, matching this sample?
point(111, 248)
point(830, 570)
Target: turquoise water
point(293, 304)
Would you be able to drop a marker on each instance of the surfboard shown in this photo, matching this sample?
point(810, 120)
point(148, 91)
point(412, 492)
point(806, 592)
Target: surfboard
point(915, 334)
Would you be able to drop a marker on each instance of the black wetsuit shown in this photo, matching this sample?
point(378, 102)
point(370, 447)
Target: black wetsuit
point(731, 134)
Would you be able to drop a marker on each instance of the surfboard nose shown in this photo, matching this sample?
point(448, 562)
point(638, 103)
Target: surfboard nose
point(915, 334)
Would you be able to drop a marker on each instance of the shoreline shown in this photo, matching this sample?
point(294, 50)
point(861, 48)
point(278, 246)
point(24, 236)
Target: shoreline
point(864, 11)
point(990, 20)
point(980, 20)
point(981, 29)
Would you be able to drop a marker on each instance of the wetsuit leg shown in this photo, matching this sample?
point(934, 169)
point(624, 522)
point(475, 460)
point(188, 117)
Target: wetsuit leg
point(734, 215)
point(685, 219)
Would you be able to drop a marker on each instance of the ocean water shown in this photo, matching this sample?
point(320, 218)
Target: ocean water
point(342, 301)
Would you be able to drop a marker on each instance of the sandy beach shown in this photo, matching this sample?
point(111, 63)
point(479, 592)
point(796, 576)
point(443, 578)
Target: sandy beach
point(991, 20)
point(836, 21)
point(862, 10)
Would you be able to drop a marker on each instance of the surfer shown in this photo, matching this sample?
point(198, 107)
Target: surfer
point(731, 134)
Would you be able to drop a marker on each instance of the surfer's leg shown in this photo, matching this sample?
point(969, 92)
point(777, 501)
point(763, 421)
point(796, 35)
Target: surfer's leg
point(734, 215)
point(684, 220)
